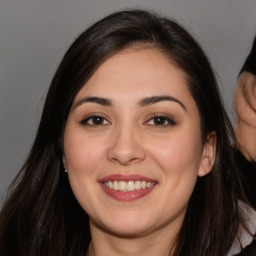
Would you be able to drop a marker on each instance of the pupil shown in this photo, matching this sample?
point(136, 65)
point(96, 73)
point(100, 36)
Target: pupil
point(97, 120)
point(159, 121)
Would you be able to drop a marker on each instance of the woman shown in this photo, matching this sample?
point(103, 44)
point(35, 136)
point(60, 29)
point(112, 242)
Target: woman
point(132, 154)
point(245, 106)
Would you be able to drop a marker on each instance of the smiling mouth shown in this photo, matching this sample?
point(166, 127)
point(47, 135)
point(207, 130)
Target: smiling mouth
point(129, 186)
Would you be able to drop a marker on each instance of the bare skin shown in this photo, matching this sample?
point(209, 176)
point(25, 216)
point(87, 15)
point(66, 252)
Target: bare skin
point(246, 119)
point(157, 244)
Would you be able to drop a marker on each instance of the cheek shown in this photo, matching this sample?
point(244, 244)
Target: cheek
point(179, 159)
point(80, 157)
point(83, 157)
point(82, 153)
point(178, 155)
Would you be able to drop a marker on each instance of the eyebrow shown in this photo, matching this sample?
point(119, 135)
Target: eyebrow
point(155, 99)
point(142, 103)
point(101, 101)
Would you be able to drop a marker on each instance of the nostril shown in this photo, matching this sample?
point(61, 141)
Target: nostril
point(125, 148)
point(125, 161)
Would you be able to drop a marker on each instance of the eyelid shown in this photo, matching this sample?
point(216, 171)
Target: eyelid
point(85, 120)
point(170, 120)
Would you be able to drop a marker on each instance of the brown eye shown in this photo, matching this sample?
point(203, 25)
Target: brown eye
point(95, 120)
point(161, 121)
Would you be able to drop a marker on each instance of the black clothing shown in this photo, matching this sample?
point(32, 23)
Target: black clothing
point(250, 62)
point(248, 172)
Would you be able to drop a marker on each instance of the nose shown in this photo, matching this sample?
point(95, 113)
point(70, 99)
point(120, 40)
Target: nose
point(126, 147)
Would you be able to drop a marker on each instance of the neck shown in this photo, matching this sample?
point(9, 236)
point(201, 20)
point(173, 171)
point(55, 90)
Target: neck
point(104, 243)
point(246, 139)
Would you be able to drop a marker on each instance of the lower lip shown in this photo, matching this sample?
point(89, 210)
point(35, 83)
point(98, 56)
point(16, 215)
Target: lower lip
point(127, 196)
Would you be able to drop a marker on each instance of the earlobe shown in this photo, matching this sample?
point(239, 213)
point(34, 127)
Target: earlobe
point(208, 154)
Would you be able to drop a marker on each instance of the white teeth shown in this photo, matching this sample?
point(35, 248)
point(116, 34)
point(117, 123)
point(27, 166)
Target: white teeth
point(128, 186)
point(122, 185)
point(115, 185)
point(138, 185)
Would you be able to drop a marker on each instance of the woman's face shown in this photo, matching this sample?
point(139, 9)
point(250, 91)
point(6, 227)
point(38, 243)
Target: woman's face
point(132, 144)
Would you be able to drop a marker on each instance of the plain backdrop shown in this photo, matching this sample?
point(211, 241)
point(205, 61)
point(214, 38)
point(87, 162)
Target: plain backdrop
point(34, 35)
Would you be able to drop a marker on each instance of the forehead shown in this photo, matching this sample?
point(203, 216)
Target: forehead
point(137, 72)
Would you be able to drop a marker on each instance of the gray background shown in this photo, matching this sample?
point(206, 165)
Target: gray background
point(35, 34)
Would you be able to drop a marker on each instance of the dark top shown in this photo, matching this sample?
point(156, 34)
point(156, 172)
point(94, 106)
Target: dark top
point(248, 172)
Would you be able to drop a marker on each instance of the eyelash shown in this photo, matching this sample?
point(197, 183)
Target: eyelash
point(167, 121)
point(93, 117)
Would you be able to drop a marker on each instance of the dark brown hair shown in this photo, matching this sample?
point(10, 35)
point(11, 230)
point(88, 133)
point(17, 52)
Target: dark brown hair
point(41, 215)
point(247, 78)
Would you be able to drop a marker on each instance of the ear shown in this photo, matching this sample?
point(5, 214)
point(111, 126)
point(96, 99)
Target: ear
point(64, 161)
point(208, 154)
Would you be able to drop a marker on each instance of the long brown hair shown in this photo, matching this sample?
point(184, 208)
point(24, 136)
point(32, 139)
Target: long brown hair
point(41, 215)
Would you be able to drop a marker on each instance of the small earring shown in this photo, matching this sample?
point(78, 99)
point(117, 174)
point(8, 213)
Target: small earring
point(66, 170)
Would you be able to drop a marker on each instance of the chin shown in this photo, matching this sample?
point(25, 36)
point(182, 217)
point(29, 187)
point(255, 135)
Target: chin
point(129, 226)
point(129, 231)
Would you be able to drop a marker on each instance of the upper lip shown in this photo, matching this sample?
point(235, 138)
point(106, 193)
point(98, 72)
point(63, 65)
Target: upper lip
point(121, 177)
